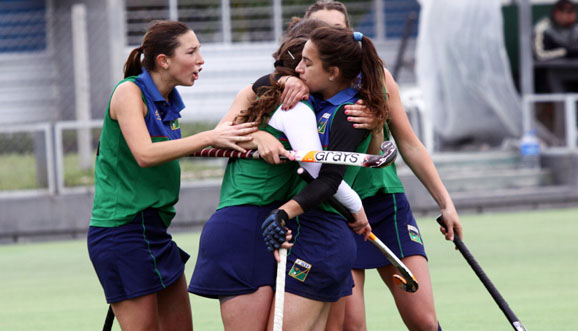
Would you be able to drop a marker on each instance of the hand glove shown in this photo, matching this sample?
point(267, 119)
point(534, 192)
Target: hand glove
point(274, 229)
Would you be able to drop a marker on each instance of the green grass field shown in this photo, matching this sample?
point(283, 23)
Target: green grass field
point(530, 256)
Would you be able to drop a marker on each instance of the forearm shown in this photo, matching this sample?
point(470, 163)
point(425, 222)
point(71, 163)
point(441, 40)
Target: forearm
point(377, 138)
point(151, 154)
point(292, 208)
point(243, 100)
point(420, 162)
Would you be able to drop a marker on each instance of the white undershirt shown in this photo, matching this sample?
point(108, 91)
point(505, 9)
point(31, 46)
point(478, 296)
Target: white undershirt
point(300, 126)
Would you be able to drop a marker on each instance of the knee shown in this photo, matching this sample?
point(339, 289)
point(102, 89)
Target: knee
point(354, 324)
point(424, 323)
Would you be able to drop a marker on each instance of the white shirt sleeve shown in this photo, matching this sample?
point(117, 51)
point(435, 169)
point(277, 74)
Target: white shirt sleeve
point(300, 126)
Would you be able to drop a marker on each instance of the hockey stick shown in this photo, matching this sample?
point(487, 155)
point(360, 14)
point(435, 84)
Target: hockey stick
point(280, 291)
point(388, 156)
point(109, 320)
point(406, 281)
point(514, 321)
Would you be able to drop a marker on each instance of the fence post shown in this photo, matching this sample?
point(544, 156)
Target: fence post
point(226, 21)
point(81, 82)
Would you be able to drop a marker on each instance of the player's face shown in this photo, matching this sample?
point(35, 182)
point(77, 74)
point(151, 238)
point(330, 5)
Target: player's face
point(330, 16)
point(565, 17)
point(311, 69)
point(187, 61)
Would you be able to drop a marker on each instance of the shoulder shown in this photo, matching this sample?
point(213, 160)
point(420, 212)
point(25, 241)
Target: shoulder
point(542, 24)
point(127, 88)
point(127, 95)
point(390, 84)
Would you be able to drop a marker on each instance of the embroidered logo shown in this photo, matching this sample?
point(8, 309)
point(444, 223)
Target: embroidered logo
point(322, 123)
point(300, 270)
point(414, 234)
point(175, 124)
point(157, 115)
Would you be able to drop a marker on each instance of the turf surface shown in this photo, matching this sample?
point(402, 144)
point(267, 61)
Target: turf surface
point(531, 257)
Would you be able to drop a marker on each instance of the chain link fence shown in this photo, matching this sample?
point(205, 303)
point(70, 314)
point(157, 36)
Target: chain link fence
point(60, 60)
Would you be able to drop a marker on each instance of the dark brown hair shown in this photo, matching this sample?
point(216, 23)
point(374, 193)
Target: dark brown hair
point(328, 5)
point(161, 38)
point(337, 48)
point(287, 57)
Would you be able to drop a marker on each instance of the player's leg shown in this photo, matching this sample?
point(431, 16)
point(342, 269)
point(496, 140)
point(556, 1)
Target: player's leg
point(417, 309)
point(174, 307)
point(336, 318)
point(302, 313)
point(138, 313)
point(248, 311)
point(355, 304)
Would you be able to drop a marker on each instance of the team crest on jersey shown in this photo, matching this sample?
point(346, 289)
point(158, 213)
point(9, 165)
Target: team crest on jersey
point(322, 123)
point(175, 124)
point(157, 115)
point(300, 270)
point(414, 234)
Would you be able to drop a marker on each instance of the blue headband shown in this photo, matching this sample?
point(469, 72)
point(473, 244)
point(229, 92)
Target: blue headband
point(357, 36)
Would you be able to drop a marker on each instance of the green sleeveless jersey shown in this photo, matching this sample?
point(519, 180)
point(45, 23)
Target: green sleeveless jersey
point(256, 182)
point(122, 187)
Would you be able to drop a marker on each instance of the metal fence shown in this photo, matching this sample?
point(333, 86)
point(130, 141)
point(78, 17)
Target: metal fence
point(60, 60)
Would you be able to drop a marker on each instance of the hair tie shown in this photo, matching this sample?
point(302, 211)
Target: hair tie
point(357, 36)
point(139, 49)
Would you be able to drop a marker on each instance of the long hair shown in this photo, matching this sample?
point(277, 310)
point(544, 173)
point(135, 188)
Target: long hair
point(287, 57)
point(337, 48)
point(328, 5)
point(161, 38)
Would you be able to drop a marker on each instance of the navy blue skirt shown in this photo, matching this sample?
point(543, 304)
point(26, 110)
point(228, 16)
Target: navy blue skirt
point(393, 223)
point(135, 259)
point(233, 258)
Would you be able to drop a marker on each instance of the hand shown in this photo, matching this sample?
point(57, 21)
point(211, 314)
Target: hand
point(453, 224)
point(274, 230)
point(294, 90)
point(227, 135)
point(361, 224)
point(285, 245)
point(270, 148)
point(361, 117)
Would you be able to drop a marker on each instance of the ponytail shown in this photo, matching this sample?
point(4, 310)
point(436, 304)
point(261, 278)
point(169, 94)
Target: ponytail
point(372, 89)
point(133, 65)
point(161, 38)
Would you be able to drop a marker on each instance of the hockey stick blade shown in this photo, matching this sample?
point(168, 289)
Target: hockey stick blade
point(387, 156)
point(406, 281)
point(512, 318)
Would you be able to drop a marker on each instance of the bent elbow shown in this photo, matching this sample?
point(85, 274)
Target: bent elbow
point(144, 161)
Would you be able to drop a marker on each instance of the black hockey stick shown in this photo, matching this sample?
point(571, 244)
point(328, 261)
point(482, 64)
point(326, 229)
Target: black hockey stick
point(109, 319)
point(514, 321)
point(406, 281)
point(387, 157)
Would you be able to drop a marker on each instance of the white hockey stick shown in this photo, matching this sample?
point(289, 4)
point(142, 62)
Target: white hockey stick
point(280, 291)
point(388, 156)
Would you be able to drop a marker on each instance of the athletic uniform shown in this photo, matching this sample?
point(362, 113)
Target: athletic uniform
point(128, 243)
point(319, 263)
point(233, 258)
point(389, 214)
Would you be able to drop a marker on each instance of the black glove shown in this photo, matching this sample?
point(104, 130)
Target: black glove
point(274, 229)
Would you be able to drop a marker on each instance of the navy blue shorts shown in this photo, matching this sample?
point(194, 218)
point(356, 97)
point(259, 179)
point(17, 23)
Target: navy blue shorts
point(320, 262)
point(233, 258)
point(135, 259)
point(391, 221)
